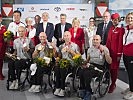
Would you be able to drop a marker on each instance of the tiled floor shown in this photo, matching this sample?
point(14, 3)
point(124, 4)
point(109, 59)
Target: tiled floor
point(25, 95)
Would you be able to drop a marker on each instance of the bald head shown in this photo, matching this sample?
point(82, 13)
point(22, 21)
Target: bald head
point(42, 37)
point(21, 31)
point(67, 36)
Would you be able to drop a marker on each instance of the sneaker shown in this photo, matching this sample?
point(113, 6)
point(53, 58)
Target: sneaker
point(81, 93)
point(129, 96)
point(125, 91)
point(12, 85)
point(56, 91)
point(16, 85)
point(36, 89)
point(32, 88)
point(61, 93)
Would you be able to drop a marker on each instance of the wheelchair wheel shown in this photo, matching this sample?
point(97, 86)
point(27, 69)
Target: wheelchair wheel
point(104, 83)
point(93, 98)
point(76, 81)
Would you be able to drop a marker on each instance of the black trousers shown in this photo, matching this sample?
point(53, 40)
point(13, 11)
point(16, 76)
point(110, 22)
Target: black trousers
point(86, 75)
point(37, 79)
point(128, 62)
point(15, 68)
point(60, 74)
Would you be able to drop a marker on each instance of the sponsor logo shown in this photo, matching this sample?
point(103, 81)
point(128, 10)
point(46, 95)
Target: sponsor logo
point(20, 9)
point(44, 9)
point(83, 26)
point(70, 8)
point(57, 9)
point(32, 9)
point(83, 9)
point(56, 17)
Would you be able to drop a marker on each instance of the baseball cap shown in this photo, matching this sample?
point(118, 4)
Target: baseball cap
point(33, 68)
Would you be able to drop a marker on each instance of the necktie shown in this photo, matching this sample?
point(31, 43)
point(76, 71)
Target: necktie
point(104, 28)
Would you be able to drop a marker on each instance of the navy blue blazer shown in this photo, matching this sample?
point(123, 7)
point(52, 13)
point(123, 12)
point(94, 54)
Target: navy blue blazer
point(58, 32)
point(49, 30)
point(100, 31)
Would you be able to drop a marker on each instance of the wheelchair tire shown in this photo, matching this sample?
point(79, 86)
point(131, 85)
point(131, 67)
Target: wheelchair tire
point(93, 98)
point(104, 83)
point(76, 81)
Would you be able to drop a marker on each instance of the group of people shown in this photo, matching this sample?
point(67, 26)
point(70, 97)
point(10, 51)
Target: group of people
point(105, 42)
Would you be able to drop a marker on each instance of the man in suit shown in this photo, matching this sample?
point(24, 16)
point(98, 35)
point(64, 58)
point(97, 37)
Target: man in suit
point(104, 27)
point(46, 27)
point(60, 28)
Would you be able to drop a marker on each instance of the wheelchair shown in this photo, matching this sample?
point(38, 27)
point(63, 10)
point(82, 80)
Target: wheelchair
point(25, 76)
point(99, 84)
point(70, 80)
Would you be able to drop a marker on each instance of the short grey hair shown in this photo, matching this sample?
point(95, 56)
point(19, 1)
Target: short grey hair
point(63, 15)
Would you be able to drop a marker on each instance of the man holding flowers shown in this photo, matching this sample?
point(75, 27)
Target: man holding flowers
point(23, 49)
point(42, 58)
point(66, 52)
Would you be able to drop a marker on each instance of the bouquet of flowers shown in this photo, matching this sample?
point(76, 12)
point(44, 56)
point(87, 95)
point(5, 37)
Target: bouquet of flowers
point(8, 35)
point(64, 63)
point(40, 62)
point(77, 60)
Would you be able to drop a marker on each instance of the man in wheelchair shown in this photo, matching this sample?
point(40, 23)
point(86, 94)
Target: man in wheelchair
point(66, 51)
point(41, 52)
point(96, 57)
point(23, 48)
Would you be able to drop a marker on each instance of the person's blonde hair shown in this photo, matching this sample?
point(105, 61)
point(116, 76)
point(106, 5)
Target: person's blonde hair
point(28, 18)
point(75, 20)
point(131, 13)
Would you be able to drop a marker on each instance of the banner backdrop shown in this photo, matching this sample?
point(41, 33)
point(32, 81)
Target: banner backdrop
point(82, 11)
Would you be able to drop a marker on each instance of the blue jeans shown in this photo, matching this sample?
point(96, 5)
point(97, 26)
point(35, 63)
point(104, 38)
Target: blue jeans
point(85, 95)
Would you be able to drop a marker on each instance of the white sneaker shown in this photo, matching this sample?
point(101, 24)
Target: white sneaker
point(32, 88)
point(16, 85)
point(57, 91)
point(61, 93)
point(36, 89)
point(12, 85)
point(129, 96)
point(125, 91)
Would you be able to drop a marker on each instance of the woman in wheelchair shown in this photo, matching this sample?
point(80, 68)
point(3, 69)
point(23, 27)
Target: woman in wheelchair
point(23, 49)
point(96, 56)
point(66, 51)
point(41, 52)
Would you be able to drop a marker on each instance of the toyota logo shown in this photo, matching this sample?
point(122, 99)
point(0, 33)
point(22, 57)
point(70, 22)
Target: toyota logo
point(57, 9)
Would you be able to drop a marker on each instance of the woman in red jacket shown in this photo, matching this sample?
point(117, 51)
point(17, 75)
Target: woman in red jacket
point(77, 34)
point(114, 44)
point(2, 47)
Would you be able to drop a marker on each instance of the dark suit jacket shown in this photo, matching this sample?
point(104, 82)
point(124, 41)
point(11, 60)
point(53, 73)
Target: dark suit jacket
point(49, 30)
point(100, 31)
point(58, 32)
